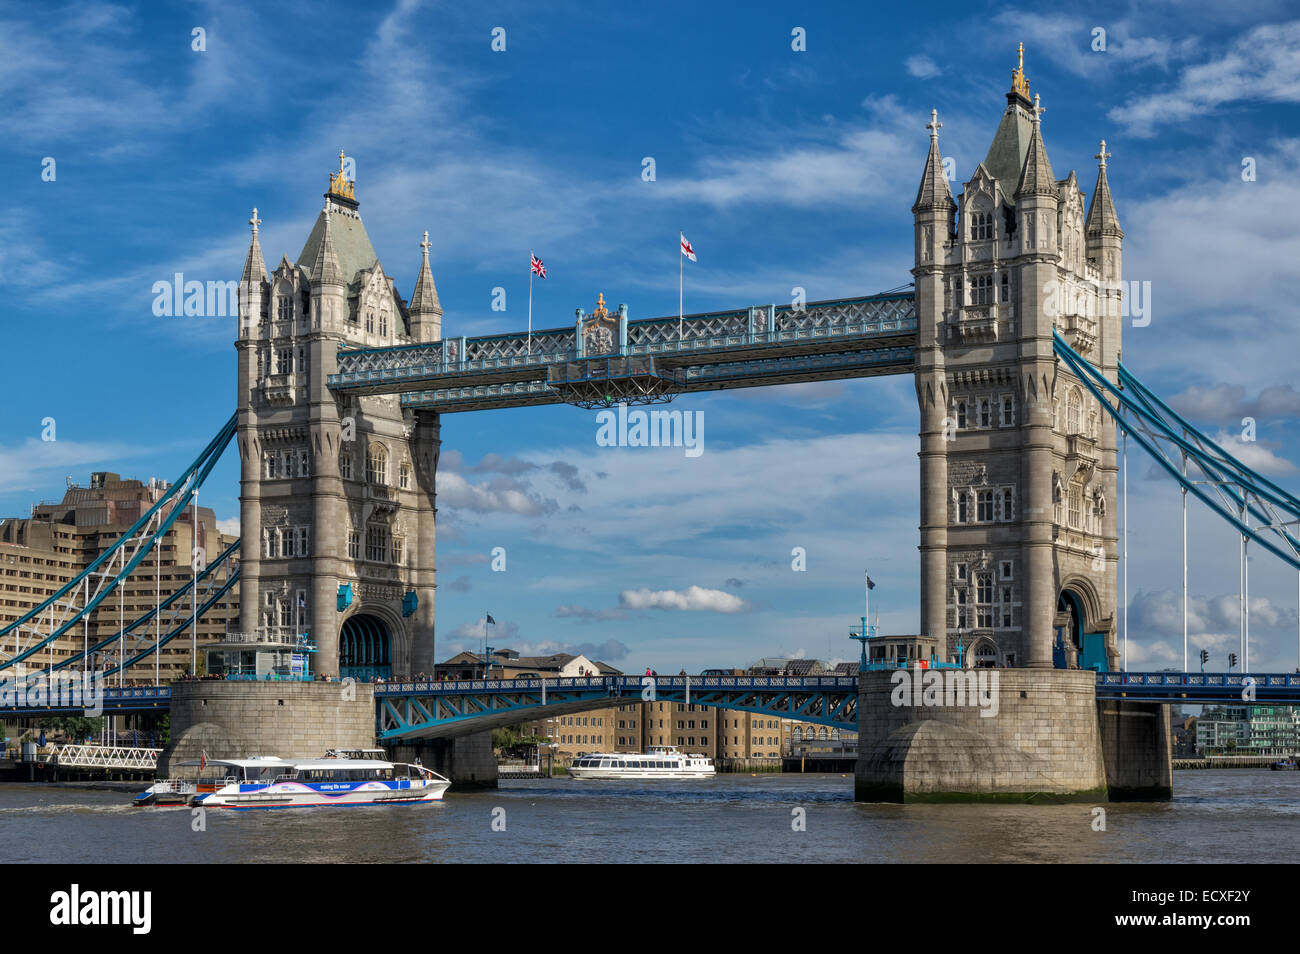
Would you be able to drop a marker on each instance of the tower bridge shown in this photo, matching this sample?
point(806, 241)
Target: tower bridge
point(1010, 327)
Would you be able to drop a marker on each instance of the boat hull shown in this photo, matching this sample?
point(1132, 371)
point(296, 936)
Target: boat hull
point(324, 795)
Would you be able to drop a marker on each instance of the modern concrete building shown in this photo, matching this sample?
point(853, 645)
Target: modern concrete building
point(42, 552)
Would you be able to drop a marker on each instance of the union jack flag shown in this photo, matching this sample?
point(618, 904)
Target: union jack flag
point(538, 267)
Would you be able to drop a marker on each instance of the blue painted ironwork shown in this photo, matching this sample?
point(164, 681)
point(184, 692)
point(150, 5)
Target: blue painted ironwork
point(165, 511)
point(1194, 687)
point(445, 709)
point(1226, 485)
point(413, 710)
point(755, 343)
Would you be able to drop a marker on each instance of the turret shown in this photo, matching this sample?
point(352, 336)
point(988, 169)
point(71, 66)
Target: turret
point(1105, 237)
point(425, 309)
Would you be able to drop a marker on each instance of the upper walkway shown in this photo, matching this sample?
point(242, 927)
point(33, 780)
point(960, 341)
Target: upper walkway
point(769, 344)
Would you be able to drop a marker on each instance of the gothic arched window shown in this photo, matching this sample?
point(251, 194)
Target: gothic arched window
point(377, 465)
point(1072, 406)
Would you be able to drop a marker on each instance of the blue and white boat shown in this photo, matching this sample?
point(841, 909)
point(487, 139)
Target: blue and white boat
point(268, 782)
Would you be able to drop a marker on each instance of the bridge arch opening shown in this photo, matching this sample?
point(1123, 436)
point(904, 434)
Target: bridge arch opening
point(365, 648)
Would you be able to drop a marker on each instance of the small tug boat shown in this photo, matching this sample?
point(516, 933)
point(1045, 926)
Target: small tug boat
point(1285, 765)
point(661, 761)
point(270, 782)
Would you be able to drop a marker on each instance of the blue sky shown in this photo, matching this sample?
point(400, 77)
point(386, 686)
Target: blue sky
point(785, 168)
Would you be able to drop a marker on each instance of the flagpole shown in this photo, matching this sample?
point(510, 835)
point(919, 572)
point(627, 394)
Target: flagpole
point(681, 236)
point(530, 301)
point(866, 610)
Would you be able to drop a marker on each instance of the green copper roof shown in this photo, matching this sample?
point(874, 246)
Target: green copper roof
point(352, 245)
point(1010, 145)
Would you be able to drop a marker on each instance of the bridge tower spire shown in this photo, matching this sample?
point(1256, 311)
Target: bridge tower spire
point(336, 501)
point(1017, 468)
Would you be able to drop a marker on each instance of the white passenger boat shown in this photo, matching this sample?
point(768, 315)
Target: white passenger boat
point(269, 782)
point(661, 761)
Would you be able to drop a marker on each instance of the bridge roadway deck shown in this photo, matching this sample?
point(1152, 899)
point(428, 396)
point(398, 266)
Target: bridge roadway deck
point(473, 704)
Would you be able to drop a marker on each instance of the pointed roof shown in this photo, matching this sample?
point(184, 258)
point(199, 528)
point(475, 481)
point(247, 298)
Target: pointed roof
point(254, 266)
point(1006, 156)
point(424, 300)
point(1036, 178)
point(325, 267)
point(351, 246)
point(1010, 146)
point(933, 190)
point(1102, 219)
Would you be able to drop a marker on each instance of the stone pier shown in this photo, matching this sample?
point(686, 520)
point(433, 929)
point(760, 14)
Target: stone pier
point(467, 760)
point(1007, 735)
point(233, 719)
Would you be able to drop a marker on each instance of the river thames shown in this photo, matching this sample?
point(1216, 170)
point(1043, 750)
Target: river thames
point(1215, 816)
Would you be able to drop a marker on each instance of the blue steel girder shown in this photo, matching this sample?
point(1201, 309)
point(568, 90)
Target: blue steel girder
point(459, 374)
point(446, 709)
point(1201, 687)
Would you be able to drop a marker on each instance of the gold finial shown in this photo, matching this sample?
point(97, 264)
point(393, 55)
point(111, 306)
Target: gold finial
point(1019, 84)
point(600, 311)
point(340, 185)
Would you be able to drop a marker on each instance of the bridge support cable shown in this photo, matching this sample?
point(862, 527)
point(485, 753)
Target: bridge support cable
point(73, 603)
point(1259, 509)
point(1236, 492)
point(168, 611)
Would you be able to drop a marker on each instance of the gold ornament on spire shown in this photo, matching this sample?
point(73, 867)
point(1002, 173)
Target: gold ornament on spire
point(340, 184)
point(1019, 84)
point(601, 311)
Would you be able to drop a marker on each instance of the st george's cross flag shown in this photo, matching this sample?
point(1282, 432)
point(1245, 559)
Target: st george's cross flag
point(686, 248)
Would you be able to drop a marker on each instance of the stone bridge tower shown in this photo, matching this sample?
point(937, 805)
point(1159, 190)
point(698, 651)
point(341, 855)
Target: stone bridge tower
point(337, 494)
point(1018, 461)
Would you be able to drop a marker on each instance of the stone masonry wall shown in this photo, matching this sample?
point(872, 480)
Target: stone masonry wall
point(286, 719)
point(1043, 743)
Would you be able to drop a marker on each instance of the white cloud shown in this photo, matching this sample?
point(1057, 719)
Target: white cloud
point(1261, 66)
point(922, 67)
point(692, 599)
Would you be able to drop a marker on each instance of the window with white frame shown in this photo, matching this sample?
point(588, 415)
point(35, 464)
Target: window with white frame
point(270, 543)
point(399, 549)
point(288, 542)
point(1008, 511)
point(986, 414)
point(404, 475)
point(961, 414)
point(962, 619)
point(283, 307)
point(981, 226)
point(963, 507)
point(984, 509)
point(1007, 569)
point(345, 464)
point(959, 571)
point(981, 290)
